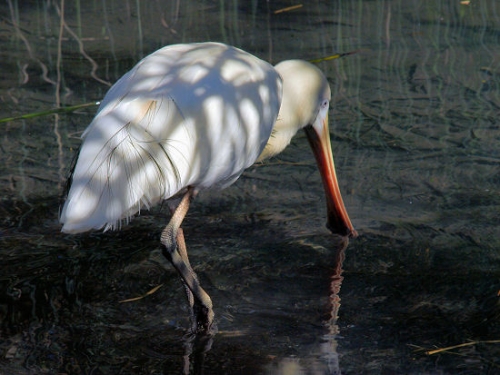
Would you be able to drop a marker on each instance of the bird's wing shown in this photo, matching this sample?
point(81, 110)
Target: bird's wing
point(187, 115)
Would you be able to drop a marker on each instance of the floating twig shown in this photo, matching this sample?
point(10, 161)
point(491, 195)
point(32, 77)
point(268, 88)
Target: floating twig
point(143, 296)
point(440, 350)
point(49, 112)
point(333, 57)
point(287, 9)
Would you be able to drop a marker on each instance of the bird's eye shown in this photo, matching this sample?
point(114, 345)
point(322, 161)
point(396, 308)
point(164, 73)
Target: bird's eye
point(324, 104)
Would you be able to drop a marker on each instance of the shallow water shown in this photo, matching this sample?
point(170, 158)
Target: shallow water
point(416, 144)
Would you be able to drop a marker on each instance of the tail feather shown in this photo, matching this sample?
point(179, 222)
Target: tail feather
point(120, 170)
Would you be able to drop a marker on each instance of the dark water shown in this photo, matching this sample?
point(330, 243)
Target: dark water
point(417, 151)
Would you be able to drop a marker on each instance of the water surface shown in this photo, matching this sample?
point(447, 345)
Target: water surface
point(416, 144)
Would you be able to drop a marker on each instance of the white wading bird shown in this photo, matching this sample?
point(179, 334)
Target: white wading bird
point(190, 117)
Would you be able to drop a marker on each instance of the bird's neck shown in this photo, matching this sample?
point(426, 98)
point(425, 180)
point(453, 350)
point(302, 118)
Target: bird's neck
point(285, 127)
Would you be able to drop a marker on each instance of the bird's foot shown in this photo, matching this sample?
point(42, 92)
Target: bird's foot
point(202, 320)
point(196, 345)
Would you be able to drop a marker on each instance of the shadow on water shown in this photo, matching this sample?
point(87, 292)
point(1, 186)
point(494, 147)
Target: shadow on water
point(415, 139)
point(62, 307)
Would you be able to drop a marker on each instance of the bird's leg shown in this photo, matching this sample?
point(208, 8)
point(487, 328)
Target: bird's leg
point(197, 312)
point(175, 251)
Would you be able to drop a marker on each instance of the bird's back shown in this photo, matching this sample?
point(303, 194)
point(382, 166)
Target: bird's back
point(187, 115)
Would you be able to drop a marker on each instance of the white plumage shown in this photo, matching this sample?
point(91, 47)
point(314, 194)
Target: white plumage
point(186, 115)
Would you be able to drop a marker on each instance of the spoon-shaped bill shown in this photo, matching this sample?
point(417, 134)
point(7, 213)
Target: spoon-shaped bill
point(338, 221)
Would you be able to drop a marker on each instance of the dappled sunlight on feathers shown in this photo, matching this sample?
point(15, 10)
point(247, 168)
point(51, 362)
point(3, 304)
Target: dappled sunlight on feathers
point(144, 144)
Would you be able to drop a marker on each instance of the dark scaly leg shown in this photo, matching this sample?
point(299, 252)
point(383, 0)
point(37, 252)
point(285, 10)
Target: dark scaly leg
point(172, 237)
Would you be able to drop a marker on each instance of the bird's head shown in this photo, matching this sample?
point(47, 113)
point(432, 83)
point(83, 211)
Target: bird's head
point(306, 94)
point(305, 104)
